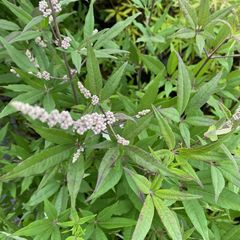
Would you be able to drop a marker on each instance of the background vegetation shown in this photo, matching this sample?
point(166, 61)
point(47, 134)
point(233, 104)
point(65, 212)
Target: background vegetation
point(167, 166)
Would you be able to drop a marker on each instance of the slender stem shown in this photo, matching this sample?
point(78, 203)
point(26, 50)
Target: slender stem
point(139, 74)
point(226, 56)
point(59, 38)
point(209, 56)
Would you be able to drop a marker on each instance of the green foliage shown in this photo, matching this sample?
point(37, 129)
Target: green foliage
point(155, 85)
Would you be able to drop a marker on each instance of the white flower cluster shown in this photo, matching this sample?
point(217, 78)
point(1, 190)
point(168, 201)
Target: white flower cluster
point(45, 75)
point(142, 113)
point(86, 93)
point(236, 115)
point(46, 10)
point(63, 118)
point(40, 42)
point(122, 140)
point(65, 43)
point(77, 154)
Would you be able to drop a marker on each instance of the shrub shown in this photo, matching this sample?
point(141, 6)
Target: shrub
point(120, 126)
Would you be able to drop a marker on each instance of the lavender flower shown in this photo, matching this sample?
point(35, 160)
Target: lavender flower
point(66, 42)
point(95, 100)
point(85, 92)
point(46, 10)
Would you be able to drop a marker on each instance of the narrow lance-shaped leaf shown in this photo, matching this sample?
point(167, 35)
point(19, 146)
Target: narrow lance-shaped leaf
point(189, 13)
point(113, 82)
point(151, 92)
point(144, 220)
point(74, 178)
point(39, 162)
point(217, 180)
point(169, 219)
point(203, 94)
point(89, 21)
point(94, 78)
point(203, 12)
point(165, 129)
point(196, 214)
point(183, 86)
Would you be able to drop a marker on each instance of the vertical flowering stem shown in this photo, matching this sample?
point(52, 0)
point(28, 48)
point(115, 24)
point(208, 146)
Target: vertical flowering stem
point(58, 34)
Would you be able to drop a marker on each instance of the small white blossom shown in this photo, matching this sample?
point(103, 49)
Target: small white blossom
point(77, 154)
point(14, 72)
point(122, 140)
point(110, 117)
point(66, 42)
point(40, 42)
point(95, 31)
point(142, 113)
point(73, 71)
point(95, 100)
point(46, 75)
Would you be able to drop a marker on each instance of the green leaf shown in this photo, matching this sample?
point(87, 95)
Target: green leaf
point(117, 222)
point(151, 92)
point(7, 25)
point(50, 210)
point(94, 78)
point(114, 31)
point(171, 113)
point(203, 94)
point(21, 14)
point(3, 132)
point(203, 12)
point(183, 86)
point(18, 57)
point(144, 220)
point(142, 182)
point(168, 218)
point(25, 36)
point(171, 194)
point(113, 82)
point(77, 60)
point(35, 228)
point(165, 129)
point(185, 133)
point(89, 21)
point(35, 21)
point(74, 178)
point(218, 181)
point(145, 160)
point(200, 121)
point(189, 13)
point(153, 64)
point(39, 162)
point(54, 135)
point(109, 173)
point(196, 214)
point(48, 102)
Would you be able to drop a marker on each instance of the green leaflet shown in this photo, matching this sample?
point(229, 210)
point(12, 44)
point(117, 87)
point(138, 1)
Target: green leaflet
point(74, 178)
point(43, 193)
point(39, 162)
point(144, 220)
point(183, 86)
point(18, 57)
point(172, 194)
point(113, 82)
point(142, 182)
point(203, 12)
point(169, 219)
point(89, 21)
point(196, 214)
point(218, 181)
point(166, 130)
point(151, 92)
point(54, 135)
point(189, 13)
point(7, 25)
point(203, 94)
point(94, 78)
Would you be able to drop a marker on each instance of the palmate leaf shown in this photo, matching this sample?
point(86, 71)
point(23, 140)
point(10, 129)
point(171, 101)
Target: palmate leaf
point(144, 220)
point(39, 162)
